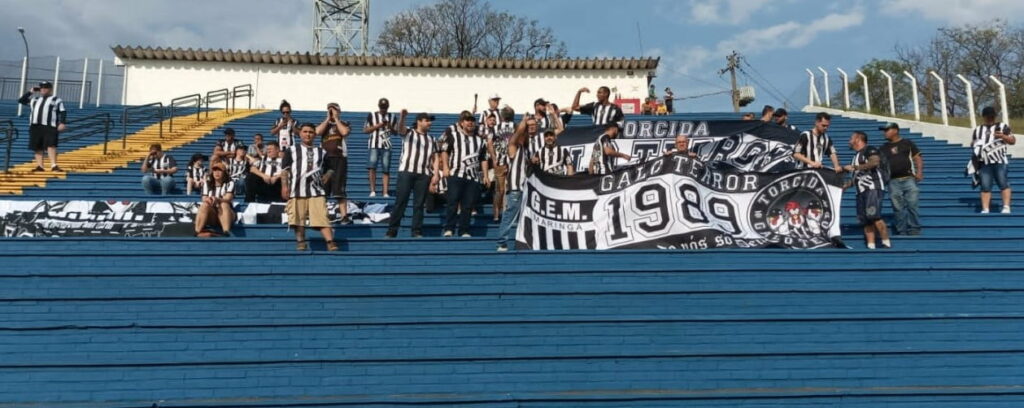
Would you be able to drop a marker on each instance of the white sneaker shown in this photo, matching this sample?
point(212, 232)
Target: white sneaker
point(466, 235)
point(503, 249)
point(1006, 209)
point(386, 195)
point(448, 233)
point(373, 194)
point(984, 210)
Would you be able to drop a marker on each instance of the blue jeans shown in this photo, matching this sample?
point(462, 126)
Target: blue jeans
point(382, 156)
point(903, 194)
point(993, 172)
point(462, 197)
point(150, 184)
point(510, 218)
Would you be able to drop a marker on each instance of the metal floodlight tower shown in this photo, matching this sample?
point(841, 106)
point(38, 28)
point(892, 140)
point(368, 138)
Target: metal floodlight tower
point(341, 27)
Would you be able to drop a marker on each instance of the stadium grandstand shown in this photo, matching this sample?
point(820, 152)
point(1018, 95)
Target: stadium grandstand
point(109, 299)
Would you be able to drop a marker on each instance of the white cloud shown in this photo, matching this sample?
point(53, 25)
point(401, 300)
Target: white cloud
point(955, 11)
point(730, 12)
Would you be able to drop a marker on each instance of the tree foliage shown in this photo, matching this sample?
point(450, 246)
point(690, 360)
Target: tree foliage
point(466, 29)
point(975, 51)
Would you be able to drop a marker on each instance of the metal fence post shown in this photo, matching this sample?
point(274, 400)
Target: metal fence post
point(970, 100)
point(942, 97)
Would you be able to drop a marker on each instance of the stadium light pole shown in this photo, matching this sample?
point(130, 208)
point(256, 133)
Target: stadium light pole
point(24, 67)
point(846, 88)
point(942, 97)
point(913, 88)
point(828, 96)
point(892, 98)
point(1002, 98)
point(867, 92)
point(970, 99)
point(547, 46)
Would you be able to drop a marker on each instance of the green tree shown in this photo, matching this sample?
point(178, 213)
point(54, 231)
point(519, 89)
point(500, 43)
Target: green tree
point(879, 88)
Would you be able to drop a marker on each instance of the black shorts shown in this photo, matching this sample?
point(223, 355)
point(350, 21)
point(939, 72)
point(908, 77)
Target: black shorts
point(41, 137)
point(339, 179)
point(869, 206)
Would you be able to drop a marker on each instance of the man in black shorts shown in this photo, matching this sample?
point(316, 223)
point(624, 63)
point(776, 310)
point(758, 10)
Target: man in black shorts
point(867, 176)
point(48, 118)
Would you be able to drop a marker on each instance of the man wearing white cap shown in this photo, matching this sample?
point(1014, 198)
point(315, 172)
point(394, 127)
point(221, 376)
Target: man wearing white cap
point(492, 110)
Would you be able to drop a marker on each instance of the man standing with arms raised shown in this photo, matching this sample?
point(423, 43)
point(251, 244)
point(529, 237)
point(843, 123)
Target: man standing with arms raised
point(418, 172)
point(603, 111)
point(465, 166)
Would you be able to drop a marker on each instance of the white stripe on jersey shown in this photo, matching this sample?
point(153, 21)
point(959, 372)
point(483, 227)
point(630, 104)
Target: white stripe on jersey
point(237, 168)
point(465, 154)
point(815, 147)
point(418, 151)
point(555, 160)
point(45, 110)
point(380, 138)
point(516, 169)
point(987, 146)
point(270, 167)
point(163, 163)
point(197, 173)
point(604, 163)
point(210, 189)
point(306, 166)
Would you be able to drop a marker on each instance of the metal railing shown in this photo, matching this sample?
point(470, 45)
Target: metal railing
point(88, 126)
point(186, 101)
point(9, 133)
point(220, 95)
point(135, 114)
point(241, 91)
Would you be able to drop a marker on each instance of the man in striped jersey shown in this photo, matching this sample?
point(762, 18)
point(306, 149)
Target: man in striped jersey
point(516, 156)
point(263, 183)
point(465, 166)
point(418, 172)
point(603, 111)
point(867, 176)
point(379, 126)
point(553, 158)
point(224, 150)
point(497, 149)
point(606, 151)
point(492, 110)
point(304, 169)
point(813, 145)
point(540, 114)
point(989, 142)
point(159, 169)
point(48, 118)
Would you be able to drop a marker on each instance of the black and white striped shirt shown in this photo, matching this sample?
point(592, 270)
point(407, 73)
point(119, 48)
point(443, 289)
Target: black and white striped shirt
point(604, 163)
point(543, 123)
point(502, 134)
point(465, 154)
point(868, 179)
point(418, 151)
point(270, 167)
point(237, 168)
point(198, 173)
point(603, 114)
point(517, 166)
point(490, 112)
point(211, 189)
point(163, 163)
point(380, 138)
point(815, 147)
point(46, 110)
point(305, 164)
point(992, 150)
point(536, 143)
point(286, 136)
point(555, 160)
point(230, 146)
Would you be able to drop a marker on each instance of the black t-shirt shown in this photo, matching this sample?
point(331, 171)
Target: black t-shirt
point(901, 158)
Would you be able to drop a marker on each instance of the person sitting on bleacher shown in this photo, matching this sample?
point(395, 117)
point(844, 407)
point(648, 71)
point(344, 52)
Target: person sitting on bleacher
point(159, 169)
point(238, 167)
point(218, 191)
point(225, 147)
point(196, 176)
point(256, 150)
point(263, 183)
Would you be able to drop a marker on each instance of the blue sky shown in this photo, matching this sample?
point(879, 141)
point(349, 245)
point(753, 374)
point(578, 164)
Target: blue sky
point(779, 38)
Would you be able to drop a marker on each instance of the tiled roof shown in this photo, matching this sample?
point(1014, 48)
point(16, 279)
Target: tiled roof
point(262, 57)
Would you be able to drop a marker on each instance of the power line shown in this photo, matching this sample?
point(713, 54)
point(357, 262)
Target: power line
point(778, 93)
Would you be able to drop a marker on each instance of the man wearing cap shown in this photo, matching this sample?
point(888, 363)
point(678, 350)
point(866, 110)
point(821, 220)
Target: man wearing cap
point(379, 125)
point(418, 172)
point(334, 140)
point(906, 169)
point(225, 148)
point(540, 114)
point(492, 110)
point(868, 177)
point(781, 118)
point(464, 164)
point(989, 143)
point(47, 119)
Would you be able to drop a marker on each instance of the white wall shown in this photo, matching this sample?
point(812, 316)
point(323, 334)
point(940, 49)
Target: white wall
point(436, 90)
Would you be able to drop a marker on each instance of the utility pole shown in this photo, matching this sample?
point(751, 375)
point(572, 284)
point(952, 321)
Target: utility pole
point(734, 64)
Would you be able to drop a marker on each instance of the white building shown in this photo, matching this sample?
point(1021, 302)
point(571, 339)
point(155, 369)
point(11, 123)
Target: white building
point(438, 85)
